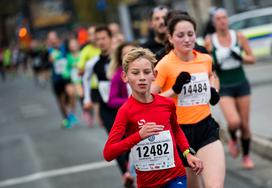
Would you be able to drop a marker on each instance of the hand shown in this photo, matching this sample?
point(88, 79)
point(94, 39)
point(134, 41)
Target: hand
point(236, 55)
point(216, 67)
point(214, 97)
point(195, 163)
point(149, 129)
point(183, 78)
point(88, 106)
point(128, 179)
point(80, 72)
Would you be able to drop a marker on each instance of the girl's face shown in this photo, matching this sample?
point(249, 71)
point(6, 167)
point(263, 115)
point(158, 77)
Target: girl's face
point(140, 75)
point(73, 45)
point(126, 49)
point(184, 37)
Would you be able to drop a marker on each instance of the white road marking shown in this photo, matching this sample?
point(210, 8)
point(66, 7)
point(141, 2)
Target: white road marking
point(56, 172)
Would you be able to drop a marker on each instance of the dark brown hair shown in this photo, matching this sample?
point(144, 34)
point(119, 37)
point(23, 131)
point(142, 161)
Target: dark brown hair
point(116, 58)
point(173, 21)
point(172, 13)
point(157, 8)
point(103, 28)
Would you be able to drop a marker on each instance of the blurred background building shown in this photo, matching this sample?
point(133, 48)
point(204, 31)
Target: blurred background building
point(22, 20)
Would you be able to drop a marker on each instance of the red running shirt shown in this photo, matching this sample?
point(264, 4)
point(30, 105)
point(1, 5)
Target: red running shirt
point(129, 118)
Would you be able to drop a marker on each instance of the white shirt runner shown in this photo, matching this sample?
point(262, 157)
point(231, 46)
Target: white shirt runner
point(104, 90)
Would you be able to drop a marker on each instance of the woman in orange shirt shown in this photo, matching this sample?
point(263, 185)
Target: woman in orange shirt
point(185, 75)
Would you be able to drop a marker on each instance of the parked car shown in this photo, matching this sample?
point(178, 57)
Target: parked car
point(256, 25)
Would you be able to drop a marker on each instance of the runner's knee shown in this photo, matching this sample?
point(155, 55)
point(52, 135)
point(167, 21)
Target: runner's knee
point(70, 91)
point(234, 123)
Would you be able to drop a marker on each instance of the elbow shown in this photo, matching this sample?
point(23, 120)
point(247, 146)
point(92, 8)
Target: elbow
point(253, 60)
point(250, 60)
point(106, 155)
point(107, 158)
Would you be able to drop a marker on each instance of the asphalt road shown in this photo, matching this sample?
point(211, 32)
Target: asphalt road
point(36, 153)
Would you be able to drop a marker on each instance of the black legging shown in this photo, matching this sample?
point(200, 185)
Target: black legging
point(107, 116)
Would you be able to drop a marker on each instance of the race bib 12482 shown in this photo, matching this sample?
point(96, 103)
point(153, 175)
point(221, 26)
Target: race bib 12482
point(154, 153)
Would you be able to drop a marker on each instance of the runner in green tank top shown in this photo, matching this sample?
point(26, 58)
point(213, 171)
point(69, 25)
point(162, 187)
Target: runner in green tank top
point(226, 47)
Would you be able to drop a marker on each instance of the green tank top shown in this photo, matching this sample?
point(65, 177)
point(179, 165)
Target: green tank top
point(71, 64)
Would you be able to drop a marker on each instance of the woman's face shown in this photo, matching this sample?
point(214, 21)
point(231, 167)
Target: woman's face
point(184, 37)
point(73, 45)
point(220, 20)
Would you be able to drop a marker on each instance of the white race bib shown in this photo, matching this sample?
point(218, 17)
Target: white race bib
point(74, 75)
point(154, 153)
point(104, 90)
point(60, 65)
point(197, 92)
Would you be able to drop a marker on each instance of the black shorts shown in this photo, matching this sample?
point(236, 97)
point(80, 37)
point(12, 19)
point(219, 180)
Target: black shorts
point(37, 69)
point(237, 90)
point(95, 95)
point(59, 86)
point(46, 66)
point(200, 134)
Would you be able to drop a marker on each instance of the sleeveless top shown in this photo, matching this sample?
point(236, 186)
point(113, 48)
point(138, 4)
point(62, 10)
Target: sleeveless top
point(228, 69)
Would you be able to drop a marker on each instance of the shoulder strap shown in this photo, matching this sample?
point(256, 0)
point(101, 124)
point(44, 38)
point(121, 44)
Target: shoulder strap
point(215, 41)
point(233, 35)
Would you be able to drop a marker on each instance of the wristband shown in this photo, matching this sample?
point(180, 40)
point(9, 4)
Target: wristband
point(189, 150)
point(185, 153)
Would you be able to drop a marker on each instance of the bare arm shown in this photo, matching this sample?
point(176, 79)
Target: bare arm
point(157, 90)
point(248, 58)
point(208, 43)
point(214, 80)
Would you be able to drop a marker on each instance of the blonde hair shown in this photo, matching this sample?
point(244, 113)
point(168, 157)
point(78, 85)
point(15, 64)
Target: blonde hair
point(137, 53)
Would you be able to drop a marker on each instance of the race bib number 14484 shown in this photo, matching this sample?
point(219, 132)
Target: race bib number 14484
point(197, 92)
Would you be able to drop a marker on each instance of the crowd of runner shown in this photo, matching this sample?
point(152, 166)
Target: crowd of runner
point(127, 88)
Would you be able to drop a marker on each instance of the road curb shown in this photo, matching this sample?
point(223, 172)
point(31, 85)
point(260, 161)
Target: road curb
point(262, 147)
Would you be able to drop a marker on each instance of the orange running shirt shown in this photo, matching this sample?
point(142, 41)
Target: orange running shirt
point(193, 102)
